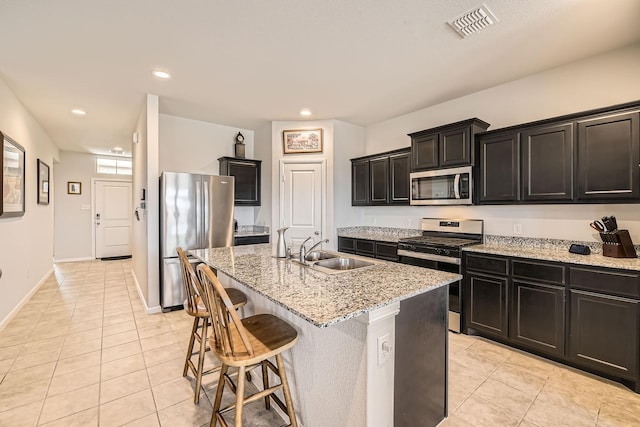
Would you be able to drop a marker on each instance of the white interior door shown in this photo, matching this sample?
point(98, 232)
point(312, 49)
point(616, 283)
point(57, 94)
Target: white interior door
point(301, 189)
point(113, 218)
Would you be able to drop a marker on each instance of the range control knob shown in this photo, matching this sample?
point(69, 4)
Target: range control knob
point(446, 251)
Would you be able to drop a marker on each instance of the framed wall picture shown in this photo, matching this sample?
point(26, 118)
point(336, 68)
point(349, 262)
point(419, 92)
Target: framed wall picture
point(302, 141)
point(74, 187)
point(43, 183)
point(12, 180)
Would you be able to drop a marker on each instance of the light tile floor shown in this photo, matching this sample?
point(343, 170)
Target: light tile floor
point(83, 352)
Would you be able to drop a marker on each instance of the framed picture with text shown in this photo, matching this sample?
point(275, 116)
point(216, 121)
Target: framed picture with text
point(302, 141)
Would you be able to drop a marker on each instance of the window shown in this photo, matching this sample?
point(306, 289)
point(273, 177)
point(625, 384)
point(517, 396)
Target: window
point(114, 166)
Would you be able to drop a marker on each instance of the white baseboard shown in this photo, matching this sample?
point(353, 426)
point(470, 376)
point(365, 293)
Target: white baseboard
point(74, 259)
point(24, 300)
point(149, 310)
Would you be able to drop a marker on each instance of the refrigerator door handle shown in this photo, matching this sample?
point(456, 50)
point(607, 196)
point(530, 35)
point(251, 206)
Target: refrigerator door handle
point(199, 212)
point(204, 234)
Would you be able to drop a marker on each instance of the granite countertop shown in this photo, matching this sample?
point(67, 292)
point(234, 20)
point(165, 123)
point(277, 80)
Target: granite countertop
point(558, 254)
point(383, 234)
point(322, 299)
point(251, 230)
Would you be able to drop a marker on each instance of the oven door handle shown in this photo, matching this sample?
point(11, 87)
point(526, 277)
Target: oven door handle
point(430, 257)
point(456, 186)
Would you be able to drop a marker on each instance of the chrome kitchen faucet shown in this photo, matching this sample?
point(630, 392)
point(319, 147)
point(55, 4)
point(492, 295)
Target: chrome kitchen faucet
point(303, 250)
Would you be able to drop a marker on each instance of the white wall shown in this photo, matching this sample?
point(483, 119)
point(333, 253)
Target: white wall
point(145, 248)
point(73, 221)
point(599, 81)
point(194, 146)
point(349, 143)
point(26, 242)
point(262, 151)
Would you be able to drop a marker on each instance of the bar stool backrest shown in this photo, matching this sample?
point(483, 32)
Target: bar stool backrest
point(224, 318)
point(192, 286)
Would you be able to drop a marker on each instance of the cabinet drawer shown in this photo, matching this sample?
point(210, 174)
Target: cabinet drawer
point(250, 240)
point(365, 247)
point(542, 272)
point(346, 244)
point(487, 264)
point(388, 251)
point(610, 282)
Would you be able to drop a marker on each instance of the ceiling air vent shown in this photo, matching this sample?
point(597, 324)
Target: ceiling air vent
point(473, 21)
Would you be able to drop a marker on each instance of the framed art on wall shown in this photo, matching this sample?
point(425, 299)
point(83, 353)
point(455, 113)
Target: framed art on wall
point(12, 178)
point(43, 183)
point(74, 187)
point(302, 141)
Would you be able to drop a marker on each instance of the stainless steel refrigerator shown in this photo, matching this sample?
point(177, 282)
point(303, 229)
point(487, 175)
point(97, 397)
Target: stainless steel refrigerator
point(196, 212)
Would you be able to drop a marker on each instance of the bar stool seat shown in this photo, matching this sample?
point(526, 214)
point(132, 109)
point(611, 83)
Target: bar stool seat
point(245, 344)
point(195, 306)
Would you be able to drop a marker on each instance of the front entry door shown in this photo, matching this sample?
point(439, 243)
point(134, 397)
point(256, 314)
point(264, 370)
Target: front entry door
point(301, 190)
point(112, 218)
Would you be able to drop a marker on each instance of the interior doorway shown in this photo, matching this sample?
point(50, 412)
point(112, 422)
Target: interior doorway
point(112, 218)
point(302, 200)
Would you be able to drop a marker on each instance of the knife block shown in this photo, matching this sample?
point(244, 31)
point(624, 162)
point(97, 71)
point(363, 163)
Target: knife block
point(622, 248)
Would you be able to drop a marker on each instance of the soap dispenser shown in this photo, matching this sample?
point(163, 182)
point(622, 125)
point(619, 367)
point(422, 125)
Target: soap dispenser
point(282, 246)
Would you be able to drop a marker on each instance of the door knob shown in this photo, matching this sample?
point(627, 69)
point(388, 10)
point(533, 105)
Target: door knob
point(317, 233)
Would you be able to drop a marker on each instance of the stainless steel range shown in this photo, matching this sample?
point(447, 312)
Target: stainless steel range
point(440, 248)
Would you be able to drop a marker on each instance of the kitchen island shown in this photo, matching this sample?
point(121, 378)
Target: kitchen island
point(338, 374)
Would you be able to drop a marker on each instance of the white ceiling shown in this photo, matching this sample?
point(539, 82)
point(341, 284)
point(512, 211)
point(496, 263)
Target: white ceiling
point(246, 62)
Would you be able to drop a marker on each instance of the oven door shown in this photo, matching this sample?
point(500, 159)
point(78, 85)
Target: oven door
point(441, 263)
point(442, 187)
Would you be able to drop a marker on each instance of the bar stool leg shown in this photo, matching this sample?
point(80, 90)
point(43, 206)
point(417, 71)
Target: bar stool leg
point(219, 390)
point(190, 348)
point(285, 389)
point(240, 396)
point(203, 348)
point(265, 382)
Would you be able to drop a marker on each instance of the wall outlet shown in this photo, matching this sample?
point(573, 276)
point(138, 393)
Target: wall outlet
point(517, 229)
point(385, 348)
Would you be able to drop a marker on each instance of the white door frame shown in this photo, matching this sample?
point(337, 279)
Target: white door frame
point(323, 191)
point(93, 208)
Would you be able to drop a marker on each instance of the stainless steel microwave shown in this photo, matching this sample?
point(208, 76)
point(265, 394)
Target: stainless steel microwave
point(442, 187)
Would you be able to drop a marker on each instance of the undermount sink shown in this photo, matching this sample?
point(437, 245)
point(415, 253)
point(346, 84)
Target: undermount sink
point(343, 264)
point(319, 255)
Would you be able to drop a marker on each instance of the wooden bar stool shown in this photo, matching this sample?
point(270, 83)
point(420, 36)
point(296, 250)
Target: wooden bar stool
point(245, 344)
point(195, 306)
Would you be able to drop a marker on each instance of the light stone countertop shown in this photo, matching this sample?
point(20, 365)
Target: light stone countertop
point(556, 254)
point(251, 230)
point(322, 299)
point(383, 234)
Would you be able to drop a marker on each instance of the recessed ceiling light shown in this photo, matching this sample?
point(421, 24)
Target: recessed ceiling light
point(78, 112)
point(305, 112)
point(161, 74)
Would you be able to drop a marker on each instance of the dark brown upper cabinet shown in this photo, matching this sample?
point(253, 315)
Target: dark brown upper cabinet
point(547, 163)
point(588, 157)
point(381, 179)
point(246, 175)
point(446, 146)
point(608, 157)
point(400, 186)
point(499, 168)
point(360, 182)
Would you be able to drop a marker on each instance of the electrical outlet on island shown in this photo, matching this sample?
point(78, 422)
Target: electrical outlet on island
point(517, 229)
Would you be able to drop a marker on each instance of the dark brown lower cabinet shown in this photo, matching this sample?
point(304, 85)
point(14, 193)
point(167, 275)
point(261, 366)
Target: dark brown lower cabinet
point(369, 248)
point(537, 316)
point(584, 316)
point(604, 333)
point(485, 299)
